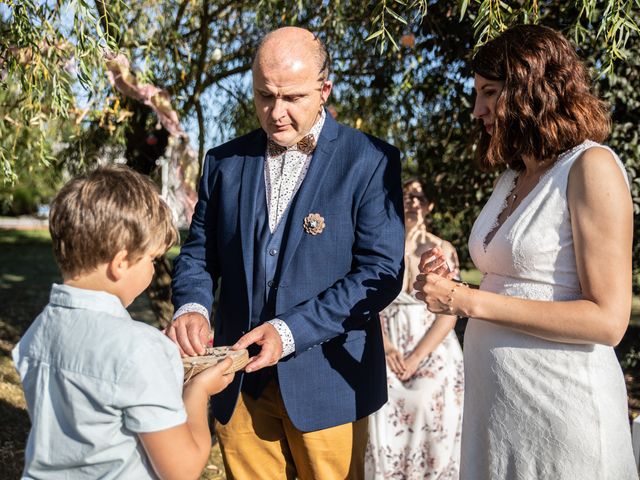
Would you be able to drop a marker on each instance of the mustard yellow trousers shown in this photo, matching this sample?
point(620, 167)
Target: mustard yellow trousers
point(260, 442)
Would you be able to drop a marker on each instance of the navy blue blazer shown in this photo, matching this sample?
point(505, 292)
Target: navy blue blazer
point(331, 286)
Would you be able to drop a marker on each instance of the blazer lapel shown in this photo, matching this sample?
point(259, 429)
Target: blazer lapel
point(318, 168)
point(252, 173)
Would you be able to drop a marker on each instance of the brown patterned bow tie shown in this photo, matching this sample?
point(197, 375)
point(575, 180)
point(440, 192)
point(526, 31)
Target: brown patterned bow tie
point(306, 145)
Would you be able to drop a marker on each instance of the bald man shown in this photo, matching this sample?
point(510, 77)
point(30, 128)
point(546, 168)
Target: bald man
point(300, 225)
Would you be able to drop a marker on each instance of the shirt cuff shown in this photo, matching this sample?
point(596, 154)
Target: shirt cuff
point(288, 344)
point(191, 308)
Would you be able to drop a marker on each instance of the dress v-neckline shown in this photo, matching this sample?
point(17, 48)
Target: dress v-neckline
point(496, 226)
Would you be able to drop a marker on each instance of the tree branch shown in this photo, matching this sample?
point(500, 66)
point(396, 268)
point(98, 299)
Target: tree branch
point(181, 9)
point(200, 115)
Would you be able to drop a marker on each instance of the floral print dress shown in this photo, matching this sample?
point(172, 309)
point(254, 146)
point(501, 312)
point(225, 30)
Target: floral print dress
point(416, 434)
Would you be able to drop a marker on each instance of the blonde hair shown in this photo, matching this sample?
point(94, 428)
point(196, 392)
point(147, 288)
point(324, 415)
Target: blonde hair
point(98, 214)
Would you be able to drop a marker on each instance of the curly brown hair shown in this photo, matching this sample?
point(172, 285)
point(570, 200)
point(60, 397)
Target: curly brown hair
point(546, 106)
point(98, 214)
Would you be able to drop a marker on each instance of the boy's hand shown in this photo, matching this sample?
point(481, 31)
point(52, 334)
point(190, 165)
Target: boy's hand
point(213, 380)
point(190, 332)
point(182, 451)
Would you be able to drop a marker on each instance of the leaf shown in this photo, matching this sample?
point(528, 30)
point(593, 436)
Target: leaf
point(374, 35)
point(390, 37)
point(396, 16)
point(463, 9)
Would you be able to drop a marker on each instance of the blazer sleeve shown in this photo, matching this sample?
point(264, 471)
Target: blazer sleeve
point(196, 270)
point(375, 277)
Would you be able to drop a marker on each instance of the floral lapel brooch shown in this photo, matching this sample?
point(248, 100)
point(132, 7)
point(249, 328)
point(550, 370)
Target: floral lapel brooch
point(313, 224)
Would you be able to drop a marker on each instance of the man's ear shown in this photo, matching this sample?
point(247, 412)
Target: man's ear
point(118, 265)
point(325, 91)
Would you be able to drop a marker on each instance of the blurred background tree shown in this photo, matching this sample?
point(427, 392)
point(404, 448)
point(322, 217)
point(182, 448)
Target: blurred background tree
point(399, 68)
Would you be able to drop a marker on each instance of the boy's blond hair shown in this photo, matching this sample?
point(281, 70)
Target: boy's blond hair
point(98, 214)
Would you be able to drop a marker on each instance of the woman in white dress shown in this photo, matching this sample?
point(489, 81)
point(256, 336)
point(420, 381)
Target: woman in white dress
point(416, 434)
point(544, 393)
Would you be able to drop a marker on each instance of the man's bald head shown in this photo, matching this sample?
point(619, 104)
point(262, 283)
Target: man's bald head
point(289, 45)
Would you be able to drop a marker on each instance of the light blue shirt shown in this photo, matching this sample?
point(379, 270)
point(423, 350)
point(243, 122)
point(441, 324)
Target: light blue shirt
point(93, 378)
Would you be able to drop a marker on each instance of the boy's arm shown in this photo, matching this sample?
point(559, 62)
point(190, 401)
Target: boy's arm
point(181, 452)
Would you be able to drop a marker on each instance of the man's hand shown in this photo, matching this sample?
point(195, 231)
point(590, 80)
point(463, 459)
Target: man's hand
point(190, 332)
point(270, 342)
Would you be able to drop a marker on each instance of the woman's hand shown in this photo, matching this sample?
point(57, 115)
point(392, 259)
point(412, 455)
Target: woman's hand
point(440, 294)
point(395, 361)
point(434, 261)
point(411, 363)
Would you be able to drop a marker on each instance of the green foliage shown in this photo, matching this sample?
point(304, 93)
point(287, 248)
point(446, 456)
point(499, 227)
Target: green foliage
point(631, 359)
point(622, 90)
point(615, 22)
point(435, 111)
point(400, 72)
point(48, 70)
point(35, 189)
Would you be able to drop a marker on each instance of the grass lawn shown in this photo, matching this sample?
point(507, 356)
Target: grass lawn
point(27, 270)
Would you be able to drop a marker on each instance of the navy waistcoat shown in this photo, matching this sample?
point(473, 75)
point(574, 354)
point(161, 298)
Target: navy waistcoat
point(266, 266)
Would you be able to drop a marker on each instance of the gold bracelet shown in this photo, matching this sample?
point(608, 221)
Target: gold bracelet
point(450, 297)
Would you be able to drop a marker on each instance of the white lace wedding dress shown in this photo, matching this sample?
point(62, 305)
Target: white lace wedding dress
point(536, 409)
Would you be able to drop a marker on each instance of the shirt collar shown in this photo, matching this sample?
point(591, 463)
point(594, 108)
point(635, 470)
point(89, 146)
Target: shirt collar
point(317, 127)
point(95, 300)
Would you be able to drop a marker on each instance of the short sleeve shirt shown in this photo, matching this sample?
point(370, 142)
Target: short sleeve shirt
point(93, 378)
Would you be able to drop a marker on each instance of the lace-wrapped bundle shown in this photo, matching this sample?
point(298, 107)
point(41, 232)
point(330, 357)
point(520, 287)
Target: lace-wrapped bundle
point(212, 356)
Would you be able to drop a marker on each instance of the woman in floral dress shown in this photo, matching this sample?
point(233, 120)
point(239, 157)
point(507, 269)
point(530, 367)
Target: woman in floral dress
point(416, 434)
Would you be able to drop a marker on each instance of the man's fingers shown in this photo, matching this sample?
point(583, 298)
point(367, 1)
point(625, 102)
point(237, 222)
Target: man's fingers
point(247, 339)
point(270, 346)
point(182, 339)
point(189, 332)
point(189, 337)
point(256, 363)
point(265, 358)
point(171, 332)
point(197, 337)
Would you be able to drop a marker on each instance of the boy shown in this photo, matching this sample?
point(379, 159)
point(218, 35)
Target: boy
point(104, 391)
